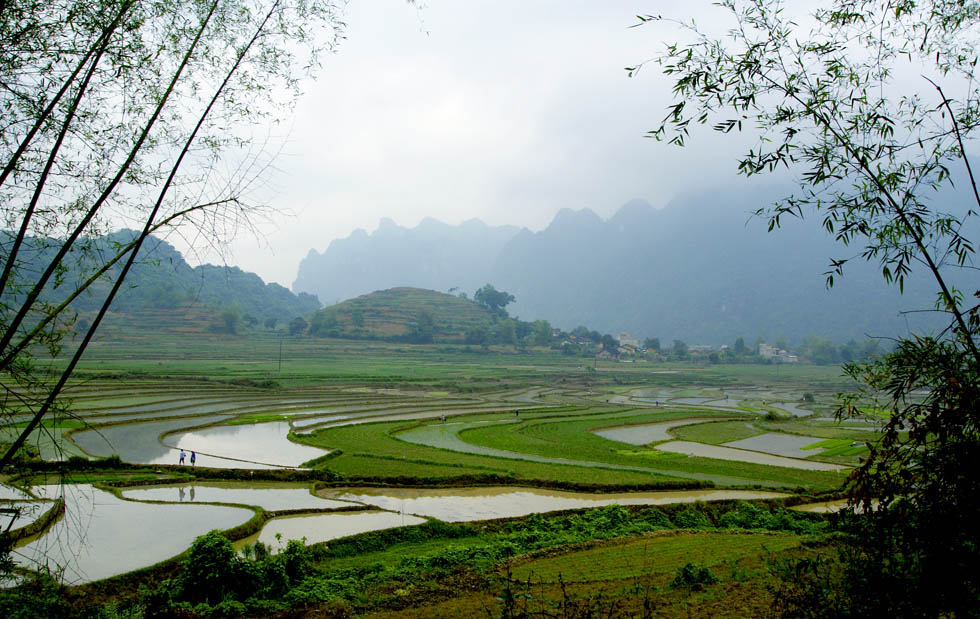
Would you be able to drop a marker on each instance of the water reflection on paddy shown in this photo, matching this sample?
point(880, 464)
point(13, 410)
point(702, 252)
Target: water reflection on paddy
point(101, 535)
point(137, 442)
point(324, 527)
point(642, 434)
point(268, 496)
point(245, 446)
point(26, 513)
point(12, 493)
point(829, 507)
point(719, 452)
point(463, 504)
point(776, 443)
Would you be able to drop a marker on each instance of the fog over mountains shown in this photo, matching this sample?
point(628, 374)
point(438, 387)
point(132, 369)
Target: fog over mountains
point(701, 269)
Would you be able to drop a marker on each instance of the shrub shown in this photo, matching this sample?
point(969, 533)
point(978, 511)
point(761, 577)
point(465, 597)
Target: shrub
point(211, 571)
point(40, 595)
point(692, 518)
point(693, 577)
point(746, 516)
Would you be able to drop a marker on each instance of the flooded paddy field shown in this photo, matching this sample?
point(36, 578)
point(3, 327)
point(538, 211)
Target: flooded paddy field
point(317, 528)
point(101, 536)
point(743, 455)
point(241, 446)
point(788, 445)
point(269, 496)
point(468, 504)
point(643, 434)
point(477, 438)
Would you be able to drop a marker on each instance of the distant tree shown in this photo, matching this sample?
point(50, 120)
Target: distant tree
point(609, 344)
point(477, 336)
point(164, 296)
point(581, 332)
point(542, 333)
point(740, 349)
point(850, 351)
point(820, 351)
point(505, 332)
point(229, 320)
point(297, 325)
point(494, 300)
point(250, 320)
point(270, 323)
point(325, 324)
point(679, 350)
point(522, 330)
point(652, 343)
point(870, 349)
point(424, 328)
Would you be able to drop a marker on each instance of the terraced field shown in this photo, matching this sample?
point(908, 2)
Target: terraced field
point(395, 438)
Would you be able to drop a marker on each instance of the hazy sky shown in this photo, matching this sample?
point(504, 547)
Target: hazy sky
point(506, 111)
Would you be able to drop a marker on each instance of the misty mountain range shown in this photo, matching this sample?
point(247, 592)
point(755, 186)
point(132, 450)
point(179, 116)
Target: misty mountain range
point(160, 278)
point(702, 269)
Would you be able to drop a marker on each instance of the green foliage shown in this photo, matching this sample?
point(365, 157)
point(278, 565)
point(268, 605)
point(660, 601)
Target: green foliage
point(541, 333)
point(493, 300)
point(402, 315)
point(691, 576)
point(422, 331)
point(678, 351)
point(228, 321)
point(121, 93)
point(831, 107)
point(211, 571)
point(214, 581)
point(692, 518)
point(39, 595)
point(297, 325)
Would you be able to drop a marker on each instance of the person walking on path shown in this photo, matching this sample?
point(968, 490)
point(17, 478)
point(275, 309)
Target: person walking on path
point(193, 458)
point(181, 457)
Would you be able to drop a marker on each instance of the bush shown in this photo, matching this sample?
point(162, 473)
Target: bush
point(211, 570)
point(746, 516)
point(40, 595)
point(693, 577)
point(692, 518)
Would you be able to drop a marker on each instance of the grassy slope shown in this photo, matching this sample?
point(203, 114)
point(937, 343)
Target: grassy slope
point(394, 312)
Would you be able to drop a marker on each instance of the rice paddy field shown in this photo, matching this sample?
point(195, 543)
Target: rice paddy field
point(363, 446)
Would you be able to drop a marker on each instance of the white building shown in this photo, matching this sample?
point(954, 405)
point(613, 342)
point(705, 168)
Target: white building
point(626, 340)
point(778, 354)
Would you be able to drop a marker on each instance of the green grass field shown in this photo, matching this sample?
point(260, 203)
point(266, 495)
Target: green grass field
point(655, 558)
point(139, 380)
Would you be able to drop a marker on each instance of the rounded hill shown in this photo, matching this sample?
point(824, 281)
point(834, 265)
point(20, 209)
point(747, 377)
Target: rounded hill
point(402, 314)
